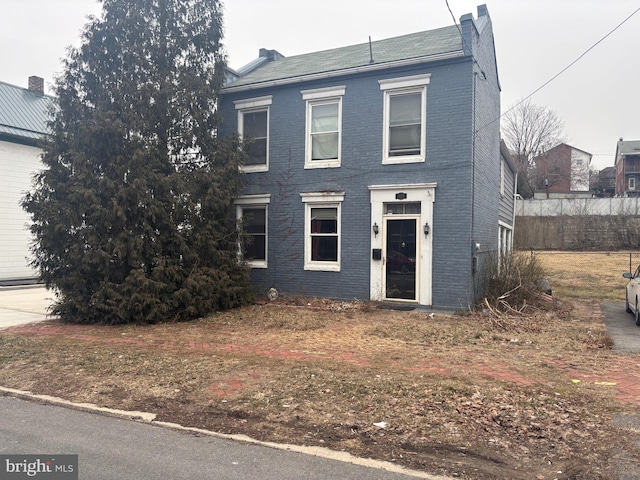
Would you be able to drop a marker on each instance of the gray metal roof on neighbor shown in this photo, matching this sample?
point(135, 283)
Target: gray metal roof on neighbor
point(432, 43)
point(629, 147)
point(23, 112)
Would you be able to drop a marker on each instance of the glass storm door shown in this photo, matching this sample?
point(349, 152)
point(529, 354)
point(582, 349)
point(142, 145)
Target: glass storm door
point(400, 258)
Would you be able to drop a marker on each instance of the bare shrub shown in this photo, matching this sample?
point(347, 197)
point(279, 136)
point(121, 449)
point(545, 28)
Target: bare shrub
point(516, 281)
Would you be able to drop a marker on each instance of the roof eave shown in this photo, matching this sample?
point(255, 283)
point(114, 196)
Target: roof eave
point(580, 150)
point(504, 151)
point(20, 139)
point(342, 72)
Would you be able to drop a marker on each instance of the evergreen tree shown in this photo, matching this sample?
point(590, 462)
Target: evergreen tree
point(133, 212)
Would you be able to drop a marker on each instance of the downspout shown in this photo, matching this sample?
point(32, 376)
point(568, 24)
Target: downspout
point(623, 178)
point(473, 179)
point(515, 199)
point(472, 242)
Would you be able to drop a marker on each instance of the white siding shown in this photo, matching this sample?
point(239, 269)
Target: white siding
point(18, 163)
point(579, 170)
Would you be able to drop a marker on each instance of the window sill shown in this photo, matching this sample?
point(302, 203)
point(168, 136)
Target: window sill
point(322, 164)
point(401, 160)
point(324, 267)
point(254, 168)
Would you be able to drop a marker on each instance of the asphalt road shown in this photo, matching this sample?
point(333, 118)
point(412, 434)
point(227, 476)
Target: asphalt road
point(111, 448)
point(621, 327)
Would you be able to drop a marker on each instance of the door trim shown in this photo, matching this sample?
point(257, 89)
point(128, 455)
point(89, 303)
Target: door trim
point(411, 193)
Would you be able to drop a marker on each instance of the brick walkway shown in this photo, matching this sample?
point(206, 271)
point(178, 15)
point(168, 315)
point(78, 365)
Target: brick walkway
point(623, 373)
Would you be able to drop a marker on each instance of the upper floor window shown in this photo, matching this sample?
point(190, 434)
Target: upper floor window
point(323, 127)
point(253, 125)
point(405, 118)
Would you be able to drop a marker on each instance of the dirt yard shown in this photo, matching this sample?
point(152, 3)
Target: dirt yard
point(472, 395)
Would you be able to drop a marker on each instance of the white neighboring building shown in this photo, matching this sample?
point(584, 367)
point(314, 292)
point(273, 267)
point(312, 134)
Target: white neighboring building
point(23, 118)
point(580, 163)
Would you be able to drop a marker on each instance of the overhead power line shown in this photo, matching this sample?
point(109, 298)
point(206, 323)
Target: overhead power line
point(464, 43)
point(561, 71)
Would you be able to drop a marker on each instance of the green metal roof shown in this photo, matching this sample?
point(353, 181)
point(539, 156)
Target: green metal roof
point(414, 46)
point(23, 112)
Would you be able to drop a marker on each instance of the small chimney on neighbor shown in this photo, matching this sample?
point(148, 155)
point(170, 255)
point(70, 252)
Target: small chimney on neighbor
point(270, 55)
point(36, 84)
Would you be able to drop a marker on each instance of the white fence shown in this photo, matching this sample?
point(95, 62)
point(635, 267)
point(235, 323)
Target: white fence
point(555, 207)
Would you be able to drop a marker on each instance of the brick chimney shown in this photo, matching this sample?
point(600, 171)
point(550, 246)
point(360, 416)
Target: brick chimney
point(36, 84)
point(270, 55)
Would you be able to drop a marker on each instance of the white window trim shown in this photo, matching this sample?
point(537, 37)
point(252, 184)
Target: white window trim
point(253, 102)
point(403, 85)
point(319, 96)
point(321, 200)
point(255, 201)
point(248, 105)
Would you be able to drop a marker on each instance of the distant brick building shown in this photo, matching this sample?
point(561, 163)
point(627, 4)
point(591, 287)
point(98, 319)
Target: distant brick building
point(605, 184)
point(562, 171)
point(627, 164)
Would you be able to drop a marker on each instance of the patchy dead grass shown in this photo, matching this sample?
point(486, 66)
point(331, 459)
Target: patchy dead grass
point(474, 395)
point(587, 275)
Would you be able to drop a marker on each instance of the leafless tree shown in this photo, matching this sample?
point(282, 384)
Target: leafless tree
point(547, 173)
point(529, 129)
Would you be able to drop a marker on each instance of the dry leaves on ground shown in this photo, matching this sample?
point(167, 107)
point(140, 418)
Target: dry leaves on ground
point(475, 395)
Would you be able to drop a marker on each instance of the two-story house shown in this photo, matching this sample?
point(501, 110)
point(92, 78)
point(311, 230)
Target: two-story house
point(627, 164)
point(562, 171)
point(375, 170)
point(23, 121)
point(605, 183)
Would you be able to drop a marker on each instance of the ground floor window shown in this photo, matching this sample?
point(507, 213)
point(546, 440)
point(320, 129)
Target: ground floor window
point(505, 241)
point(252, 216)
point(322, 230)
point(254, 224)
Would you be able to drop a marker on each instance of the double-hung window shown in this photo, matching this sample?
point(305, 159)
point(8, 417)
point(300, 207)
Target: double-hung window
point(405, 119)
point(323, 127)
point(253, 125)
point(252, 215)
point(322, 230)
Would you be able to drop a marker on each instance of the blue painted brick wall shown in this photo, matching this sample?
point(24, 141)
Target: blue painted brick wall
point(486, 151)
point(450, 123)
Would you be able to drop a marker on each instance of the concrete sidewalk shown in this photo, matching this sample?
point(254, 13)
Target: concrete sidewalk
point(28, 304)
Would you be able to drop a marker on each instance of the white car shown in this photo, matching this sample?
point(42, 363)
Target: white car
point(633, 294)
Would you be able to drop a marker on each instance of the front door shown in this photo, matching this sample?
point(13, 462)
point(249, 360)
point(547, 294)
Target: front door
point(401, 242)
point(400, 278)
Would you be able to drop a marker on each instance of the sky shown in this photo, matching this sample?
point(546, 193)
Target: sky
point(598, 98)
